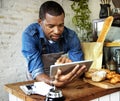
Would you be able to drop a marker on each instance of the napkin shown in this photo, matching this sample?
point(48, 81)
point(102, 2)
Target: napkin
point(41, 88)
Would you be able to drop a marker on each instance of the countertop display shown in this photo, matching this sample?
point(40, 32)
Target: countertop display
point(78, 90)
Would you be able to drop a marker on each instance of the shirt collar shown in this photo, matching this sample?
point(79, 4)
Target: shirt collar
point(38, 29)
point(41, 33)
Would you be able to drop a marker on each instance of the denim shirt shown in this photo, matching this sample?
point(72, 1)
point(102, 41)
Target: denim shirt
point(34, 44)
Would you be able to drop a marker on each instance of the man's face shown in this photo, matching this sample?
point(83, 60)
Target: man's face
point(52, 26)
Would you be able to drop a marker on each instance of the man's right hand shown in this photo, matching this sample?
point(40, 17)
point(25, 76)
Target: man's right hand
point(62, 80)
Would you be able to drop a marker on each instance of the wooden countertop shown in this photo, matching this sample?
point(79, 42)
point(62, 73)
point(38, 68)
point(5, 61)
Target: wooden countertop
point(76, 91)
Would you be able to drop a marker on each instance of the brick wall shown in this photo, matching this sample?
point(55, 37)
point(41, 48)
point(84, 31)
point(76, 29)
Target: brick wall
point(15, 15)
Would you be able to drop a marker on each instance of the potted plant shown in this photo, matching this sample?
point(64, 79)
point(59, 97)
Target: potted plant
point(81, 19)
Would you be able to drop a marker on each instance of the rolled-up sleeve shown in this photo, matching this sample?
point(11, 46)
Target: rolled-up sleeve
point(32, 54)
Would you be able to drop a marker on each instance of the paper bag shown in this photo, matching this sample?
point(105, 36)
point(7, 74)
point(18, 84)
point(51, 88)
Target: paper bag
point(93, 51)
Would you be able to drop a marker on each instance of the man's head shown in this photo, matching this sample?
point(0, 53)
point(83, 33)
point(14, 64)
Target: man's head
point(51, 8)
point(51, 19)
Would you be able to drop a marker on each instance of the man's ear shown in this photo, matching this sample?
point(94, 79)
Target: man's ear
point(40, 21)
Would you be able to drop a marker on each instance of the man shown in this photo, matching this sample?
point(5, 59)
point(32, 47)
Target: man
point(44, 42)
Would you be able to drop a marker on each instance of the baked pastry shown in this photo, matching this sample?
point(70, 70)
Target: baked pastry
point(99, 76)
point(102, 74)
point(113, 77)
point(106, 26)
point(89, 73)
point(111, 74)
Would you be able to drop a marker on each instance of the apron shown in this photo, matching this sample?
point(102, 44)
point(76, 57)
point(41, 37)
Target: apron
point(48, 59)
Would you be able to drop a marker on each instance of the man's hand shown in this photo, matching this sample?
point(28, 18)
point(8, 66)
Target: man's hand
point(43, 77)
point(61, 80)
point(62, 60)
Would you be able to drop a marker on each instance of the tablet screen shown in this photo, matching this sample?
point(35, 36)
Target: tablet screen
point(67, 67)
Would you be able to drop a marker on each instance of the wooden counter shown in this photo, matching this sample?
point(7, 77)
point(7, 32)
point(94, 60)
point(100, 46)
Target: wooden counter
point(76, 91)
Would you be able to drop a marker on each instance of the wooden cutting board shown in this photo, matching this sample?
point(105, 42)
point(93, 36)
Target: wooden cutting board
point(103, 84)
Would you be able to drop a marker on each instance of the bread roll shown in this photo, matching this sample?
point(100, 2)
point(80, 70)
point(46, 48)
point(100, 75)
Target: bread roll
point(111, 74)
point(114, 80)
point(89, 73)
point(99, 76)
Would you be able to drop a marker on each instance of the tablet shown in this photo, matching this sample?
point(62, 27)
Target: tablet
point(67, 67)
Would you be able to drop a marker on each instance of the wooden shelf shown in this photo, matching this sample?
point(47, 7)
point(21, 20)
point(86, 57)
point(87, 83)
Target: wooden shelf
point(112, 44)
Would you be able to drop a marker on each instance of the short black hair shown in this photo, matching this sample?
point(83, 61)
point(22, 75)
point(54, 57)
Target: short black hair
point(50, 7)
